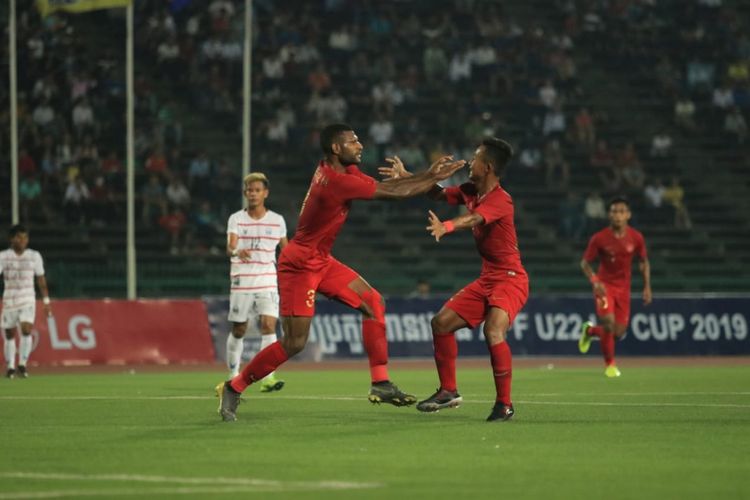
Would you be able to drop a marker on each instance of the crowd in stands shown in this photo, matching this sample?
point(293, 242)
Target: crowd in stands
point(416, 79)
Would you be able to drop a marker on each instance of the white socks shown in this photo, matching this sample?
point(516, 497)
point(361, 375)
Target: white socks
point(24, 349)
point(265, 341)
point(234, 354)
point(10, 353)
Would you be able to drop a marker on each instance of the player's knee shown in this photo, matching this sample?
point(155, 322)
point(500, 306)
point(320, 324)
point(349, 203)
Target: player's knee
point(439, 323)
point(495, 335)
point(267, 325)
point(374, 305)
point(239, 329)
point(293, 345)
point(9, 334)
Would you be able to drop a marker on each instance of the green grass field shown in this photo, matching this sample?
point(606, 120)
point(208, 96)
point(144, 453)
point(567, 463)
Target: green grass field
point(654, 433)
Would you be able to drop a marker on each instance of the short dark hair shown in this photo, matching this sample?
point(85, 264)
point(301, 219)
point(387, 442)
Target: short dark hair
point(329, 135)
point(618, 199)
point(499, 153)
point(17, 229)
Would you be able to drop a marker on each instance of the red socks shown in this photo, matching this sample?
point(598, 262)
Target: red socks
point(266, 361)
point(597, 331)
point(376, 346)
point(607, 341)
point(446, 352)
point(502, 371)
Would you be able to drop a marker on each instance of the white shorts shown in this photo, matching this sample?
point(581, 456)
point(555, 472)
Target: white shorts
point(13, 317)
point(243, 306)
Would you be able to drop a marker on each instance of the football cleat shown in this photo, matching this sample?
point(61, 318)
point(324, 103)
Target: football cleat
point(501, 412)
point(229, 400)
point(11, 373)
point(584, 341)
point(388, 392)
point(22, 373)
point(271, 384)
point(441, 399)
point(611, 371)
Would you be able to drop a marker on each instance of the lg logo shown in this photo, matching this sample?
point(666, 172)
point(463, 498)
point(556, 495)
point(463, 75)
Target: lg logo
point(80, 334)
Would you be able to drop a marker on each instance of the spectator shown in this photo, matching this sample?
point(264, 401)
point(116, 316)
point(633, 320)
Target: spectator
point(674, 195)
point(154, 202)
point(554, 161)
point(460, 67)
point(554, 123)
point(30, 197)
point(76, 200)
point(585, 129)
point(381, 133)
point(156, 163)
point(653, 194)
point(177, 193)
point(421, 290)
point(572, 222)
point(102, 202)
point(684, 114)
point(661, 144)
point(594, 211)
point(173, 224)
point(735, 125)
point(83, 117)
point(531, 157)
point(207, 227)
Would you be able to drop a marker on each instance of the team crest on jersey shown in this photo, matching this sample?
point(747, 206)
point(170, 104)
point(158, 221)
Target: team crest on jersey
point(629, 248)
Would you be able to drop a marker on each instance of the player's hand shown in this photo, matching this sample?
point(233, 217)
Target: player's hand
point(48, 310)
point(436, 228)
point(244, 254)
point(647, 298)
point(396, 170)
point(444, 167)
point(600, 290)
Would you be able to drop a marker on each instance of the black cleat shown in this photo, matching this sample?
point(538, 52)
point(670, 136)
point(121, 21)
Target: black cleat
point(501, 412)
point(229, 400)
point(11, 373)
point(441, 399)
point(389, 393)
point(22, 373)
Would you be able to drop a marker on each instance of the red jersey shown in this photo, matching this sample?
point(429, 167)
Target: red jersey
point(615, 254)
point(496, 239)
point(324, 211)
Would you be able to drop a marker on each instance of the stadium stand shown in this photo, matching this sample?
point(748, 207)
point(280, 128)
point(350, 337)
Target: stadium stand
point(414, 79)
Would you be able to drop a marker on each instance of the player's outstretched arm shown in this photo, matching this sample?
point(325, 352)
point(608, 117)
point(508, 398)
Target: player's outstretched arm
point(419, 183)
point(395, 170)
point(438, 229)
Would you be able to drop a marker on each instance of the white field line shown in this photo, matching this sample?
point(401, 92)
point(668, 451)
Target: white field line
point(147, 493)
point(186, 485)
point(465, 401)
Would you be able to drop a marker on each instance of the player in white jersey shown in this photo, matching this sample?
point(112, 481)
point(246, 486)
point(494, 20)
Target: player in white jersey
point(253, 236)
point(19, 265)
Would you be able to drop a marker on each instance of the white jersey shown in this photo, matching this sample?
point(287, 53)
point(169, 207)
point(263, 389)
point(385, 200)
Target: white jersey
point(18, 272)
point(261, 236)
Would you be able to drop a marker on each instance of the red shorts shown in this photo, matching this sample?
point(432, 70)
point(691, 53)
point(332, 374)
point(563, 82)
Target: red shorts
point(297, 287)
point(617, 302)
point(473, 301)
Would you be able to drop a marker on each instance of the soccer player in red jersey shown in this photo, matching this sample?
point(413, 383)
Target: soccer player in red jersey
point(614, 247)
point(502, 288)
point(306, 266)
